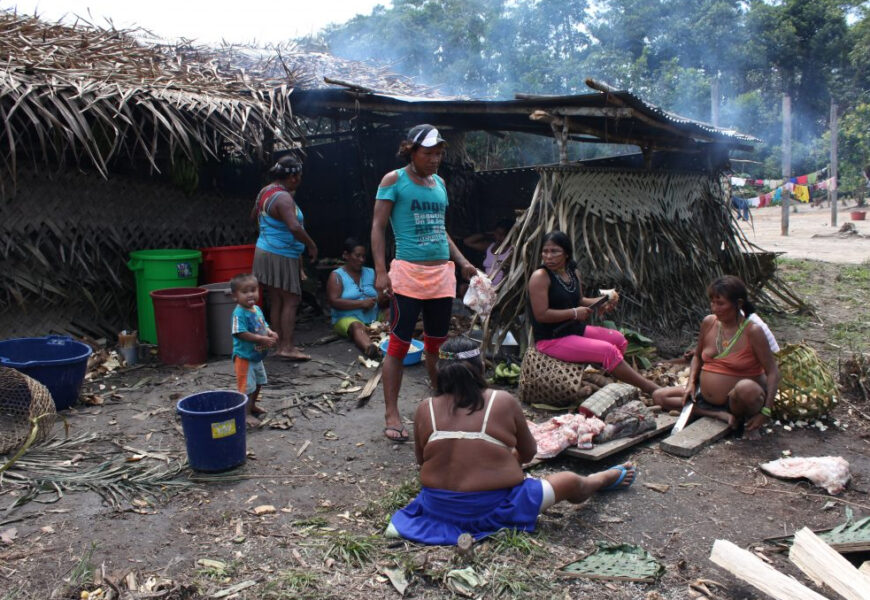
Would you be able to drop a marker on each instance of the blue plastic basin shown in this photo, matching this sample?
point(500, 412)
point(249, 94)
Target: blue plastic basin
point(214, 429)
point(414, 355)
point(57, 362)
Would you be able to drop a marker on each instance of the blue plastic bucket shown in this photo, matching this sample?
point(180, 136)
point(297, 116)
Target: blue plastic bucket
point(214, 429)
point(57, 362)
point(414, 355)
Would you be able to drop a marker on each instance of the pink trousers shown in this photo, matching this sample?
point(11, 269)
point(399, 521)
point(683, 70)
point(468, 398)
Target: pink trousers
point(596, 345)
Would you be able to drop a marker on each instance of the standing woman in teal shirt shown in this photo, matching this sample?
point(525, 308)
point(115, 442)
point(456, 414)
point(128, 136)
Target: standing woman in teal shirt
point(413, 200)
point(280, 245)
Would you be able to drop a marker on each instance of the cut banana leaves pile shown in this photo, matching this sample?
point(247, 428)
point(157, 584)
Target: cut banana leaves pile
point(640, 349)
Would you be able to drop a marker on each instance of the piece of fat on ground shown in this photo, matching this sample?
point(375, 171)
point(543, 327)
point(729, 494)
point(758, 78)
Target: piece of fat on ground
point(829, 472)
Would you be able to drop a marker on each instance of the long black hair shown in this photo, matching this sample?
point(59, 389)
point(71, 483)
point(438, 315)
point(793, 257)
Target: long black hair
point(734, 290)
point(562, 240)
point(460, 373)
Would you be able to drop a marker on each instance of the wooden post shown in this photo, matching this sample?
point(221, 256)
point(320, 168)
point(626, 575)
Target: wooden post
point(465, 546)
point(786, 158)
point(560, 133)
point(714, 100)
point(835, 134)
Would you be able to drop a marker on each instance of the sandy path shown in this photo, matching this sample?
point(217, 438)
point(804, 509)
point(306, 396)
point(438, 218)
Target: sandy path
point(805, 227)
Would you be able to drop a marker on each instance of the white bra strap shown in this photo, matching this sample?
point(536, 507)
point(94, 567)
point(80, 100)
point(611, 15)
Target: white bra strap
point(486, 414)
point(432, 416)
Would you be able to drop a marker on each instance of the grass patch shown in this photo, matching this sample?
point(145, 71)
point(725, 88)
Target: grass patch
point(83, 571)
point(314, 522)
point(839, 294)
point(856, 274)
point(806, 276)
point(515, 542)
point(293, 583)
point(517, 582)
point(381, 509)
point(12, 594)
point(217, 569)
point(351, 549)
point(851, 335)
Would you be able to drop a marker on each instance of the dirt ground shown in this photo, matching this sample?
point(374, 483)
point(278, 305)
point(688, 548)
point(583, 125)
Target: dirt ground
point(333, 480)
point(810, 234)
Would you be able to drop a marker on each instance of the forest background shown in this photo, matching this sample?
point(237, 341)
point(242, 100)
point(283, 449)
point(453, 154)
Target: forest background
point(669, 52)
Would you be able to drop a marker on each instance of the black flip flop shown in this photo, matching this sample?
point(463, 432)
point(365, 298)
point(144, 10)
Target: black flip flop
point(402, 437)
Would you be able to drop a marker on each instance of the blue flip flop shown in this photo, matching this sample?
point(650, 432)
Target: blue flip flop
point(617, 485)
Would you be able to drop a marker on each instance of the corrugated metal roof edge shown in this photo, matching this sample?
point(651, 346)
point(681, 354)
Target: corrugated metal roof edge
point(636, 102)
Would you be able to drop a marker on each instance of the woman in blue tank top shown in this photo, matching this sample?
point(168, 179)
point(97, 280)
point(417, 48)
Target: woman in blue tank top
point(280, 245)
point(351, 293)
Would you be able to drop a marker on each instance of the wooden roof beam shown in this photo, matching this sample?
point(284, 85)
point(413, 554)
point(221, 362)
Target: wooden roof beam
point(545, 117)
point(609, 112)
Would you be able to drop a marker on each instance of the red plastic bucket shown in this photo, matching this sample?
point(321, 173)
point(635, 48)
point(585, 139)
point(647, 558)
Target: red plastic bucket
point(858, 215)
point(180, 317)
point(222, 263)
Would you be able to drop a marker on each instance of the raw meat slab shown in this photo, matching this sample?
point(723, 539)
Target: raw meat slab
point(663, 423)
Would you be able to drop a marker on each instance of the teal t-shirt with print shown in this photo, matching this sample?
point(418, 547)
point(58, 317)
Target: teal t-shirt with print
point(253, 321)
point(418, 218)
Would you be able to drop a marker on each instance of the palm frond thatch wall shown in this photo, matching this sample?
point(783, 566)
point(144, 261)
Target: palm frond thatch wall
point(659, 237)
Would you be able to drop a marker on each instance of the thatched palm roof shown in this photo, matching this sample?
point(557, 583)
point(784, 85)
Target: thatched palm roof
point(96, 94)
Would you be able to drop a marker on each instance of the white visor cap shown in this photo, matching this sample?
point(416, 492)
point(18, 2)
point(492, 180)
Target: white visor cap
point(425, 135)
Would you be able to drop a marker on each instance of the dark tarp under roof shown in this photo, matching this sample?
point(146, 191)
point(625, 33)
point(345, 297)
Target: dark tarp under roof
point(606, 115)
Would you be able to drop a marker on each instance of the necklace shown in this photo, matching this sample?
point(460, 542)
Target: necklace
point(570, 286)
point(427, 179)
point(724, 346)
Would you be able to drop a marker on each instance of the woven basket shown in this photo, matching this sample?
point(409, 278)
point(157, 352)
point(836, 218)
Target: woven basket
point(546, 380)
point(807, 389)
point(22, 399)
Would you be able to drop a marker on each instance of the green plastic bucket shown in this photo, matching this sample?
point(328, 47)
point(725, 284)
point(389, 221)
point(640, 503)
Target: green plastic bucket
point(158, 270)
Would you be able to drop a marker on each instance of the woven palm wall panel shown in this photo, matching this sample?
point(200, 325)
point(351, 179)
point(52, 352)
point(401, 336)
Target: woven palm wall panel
point(65, 242)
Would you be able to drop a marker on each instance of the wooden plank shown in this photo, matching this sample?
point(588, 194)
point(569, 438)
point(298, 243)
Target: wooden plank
point(825, 566)
point(690, 440)
point(663, 423)
point(369, 388)
point(865, 568)
point(746, 566)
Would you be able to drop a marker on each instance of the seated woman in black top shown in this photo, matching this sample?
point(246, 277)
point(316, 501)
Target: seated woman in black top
point(560, 312)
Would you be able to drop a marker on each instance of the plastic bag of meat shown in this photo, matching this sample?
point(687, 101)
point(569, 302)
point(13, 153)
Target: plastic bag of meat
point(626, 421)
point(480, 296)
point(829, 472)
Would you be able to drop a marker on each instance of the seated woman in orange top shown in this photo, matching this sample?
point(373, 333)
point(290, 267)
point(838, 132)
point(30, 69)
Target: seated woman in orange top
point(733, 375)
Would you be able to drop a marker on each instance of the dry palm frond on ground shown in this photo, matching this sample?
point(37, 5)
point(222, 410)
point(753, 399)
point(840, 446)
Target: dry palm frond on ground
point(83, 463)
